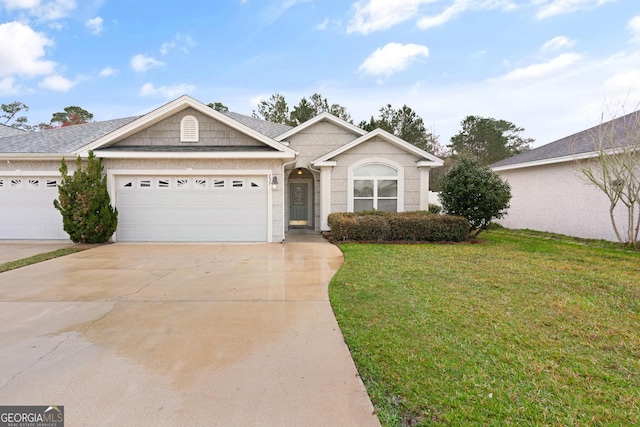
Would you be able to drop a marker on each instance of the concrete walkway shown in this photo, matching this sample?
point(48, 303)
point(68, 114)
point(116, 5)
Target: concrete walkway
point(191, 334)
point(13, 250)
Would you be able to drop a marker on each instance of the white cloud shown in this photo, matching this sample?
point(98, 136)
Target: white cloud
point(57, 83)
point(20, 4)
point(558, 43)
point(549, 8)
point(323, 25)
point(8, 86)
point(48, 11)
point(460, 6)
point(449, 13)
point(25, 54)
point(393, 57)
point(108, 72)
point(142, 63)
point(569, 100)
point(56, 9)
point(544, 69)
point(623, 81)
point(181, 42)
point(373, 15)
point(634, 26)
point(94, 25)
point(174, 91)
point(166, 47)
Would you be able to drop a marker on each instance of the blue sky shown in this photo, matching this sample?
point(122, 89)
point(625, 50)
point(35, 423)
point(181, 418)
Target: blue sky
point(550, 66)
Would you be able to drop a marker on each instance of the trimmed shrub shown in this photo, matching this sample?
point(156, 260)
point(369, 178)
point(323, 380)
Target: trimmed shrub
point(87, 215)
point(435, 209)
point(474, 192)
point(419, 226)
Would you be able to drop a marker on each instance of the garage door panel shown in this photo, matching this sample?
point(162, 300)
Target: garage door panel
point(26, 208)
point(201, 209)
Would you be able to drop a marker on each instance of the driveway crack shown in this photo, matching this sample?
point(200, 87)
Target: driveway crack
point(53, 350)
point(158, 277)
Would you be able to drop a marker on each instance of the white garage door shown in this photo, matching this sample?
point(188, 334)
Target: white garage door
point(26, 208)
point(192, 209)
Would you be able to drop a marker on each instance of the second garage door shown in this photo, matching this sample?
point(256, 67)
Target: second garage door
point(192, 209)
point(26, 208)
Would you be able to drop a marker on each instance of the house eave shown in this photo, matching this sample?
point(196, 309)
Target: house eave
point(551, 161)
point(429, 164)
point(324, 163)
point(34, 156)
point(104, 154)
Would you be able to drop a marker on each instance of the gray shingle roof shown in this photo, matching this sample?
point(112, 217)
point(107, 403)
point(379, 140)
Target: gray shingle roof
point(61, 140)
point(579, 143)
point(264, 127)
point(69, 139)
point(8, 131)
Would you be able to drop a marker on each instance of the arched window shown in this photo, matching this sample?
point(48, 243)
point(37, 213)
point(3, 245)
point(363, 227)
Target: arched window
point(375, 186)
point(189, 131)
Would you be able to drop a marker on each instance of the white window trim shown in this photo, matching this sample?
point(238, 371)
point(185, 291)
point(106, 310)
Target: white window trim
point(380, 161)
point(183, 137)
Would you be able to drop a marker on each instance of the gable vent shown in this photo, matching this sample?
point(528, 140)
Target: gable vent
point(189, 131)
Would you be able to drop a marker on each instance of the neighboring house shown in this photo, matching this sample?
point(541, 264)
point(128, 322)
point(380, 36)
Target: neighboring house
point(186, 172)
point(549, 191)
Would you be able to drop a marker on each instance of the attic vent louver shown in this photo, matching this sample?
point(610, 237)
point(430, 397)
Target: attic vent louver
point(189, 131)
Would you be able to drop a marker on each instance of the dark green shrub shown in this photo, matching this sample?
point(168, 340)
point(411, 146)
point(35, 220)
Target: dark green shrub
point(435, 209)
point(84, 203)
point(419, 226)
point(474, 192)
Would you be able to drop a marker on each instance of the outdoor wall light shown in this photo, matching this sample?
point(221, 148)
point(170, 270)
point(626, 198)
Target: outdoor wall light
point(299, 171)
point(274, 182)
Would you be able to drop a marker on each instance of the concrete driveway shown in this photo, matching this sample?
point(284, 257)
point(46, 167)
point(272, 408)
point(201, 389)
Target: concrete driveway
point(181, 334)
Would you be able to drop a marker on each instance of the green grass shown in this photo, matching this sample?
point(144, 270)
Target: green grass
point(12, 265)
point(516, 330)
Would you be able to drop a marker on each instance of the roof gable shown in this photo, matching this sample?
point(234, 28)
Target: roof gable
point(175, 107)
point(428, 158)
point(583, 144)
point(320, 117)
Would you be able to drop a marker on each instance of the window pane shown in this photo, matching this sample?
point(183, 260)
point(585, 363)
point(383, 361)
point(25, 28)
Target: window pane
point(388, 205)
point(375, 170)
point(387, 188)
point(362, 205)
point(363, 188)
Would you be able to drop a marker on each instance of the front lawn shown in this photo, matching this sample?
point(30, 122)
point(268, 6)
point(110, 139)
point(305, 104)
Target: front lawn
point(515, 330)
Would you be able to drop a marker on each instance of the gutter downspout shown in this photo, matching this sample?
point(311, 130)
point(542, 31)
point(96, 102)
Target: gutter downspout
point(284, 225)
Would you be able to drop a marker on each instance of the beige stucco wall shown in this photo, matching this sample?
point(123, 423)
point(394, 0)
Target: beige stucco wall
point(167, 132)
point(312, 143)
point(556, 198)
point(318, 140)
point(375, 148)
point(20, 166)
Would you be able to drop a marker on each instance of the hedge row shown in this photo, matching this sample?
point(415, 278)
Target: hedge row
point(420, 226)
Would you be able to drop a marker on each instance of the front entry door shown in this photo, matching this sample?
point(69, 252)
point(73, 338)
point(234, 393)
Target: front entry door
point(298, 205)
